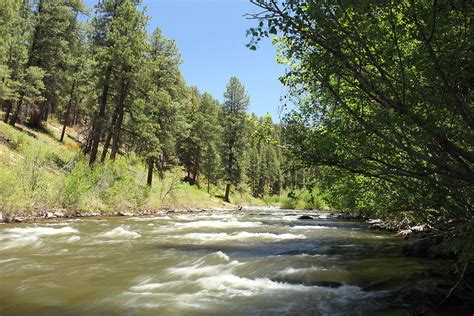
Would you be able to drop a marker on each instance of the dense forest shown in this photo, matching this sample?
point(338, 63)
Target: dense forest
point(383, 94)
point(100, 72)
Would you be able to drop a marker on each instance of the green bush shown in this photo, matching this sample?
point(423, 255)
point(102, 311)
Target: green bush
point(303, 200)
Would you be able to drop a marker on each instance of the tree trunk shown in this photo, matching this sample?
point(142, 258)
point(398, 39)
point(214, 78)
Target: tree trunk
point(87, 146)
point(105, 150)
point(118, 124)
point(227, 192)
point(97, 125)
point(8, 110)
point(151, 164)
point(45, 113)
point(109, 134)
point(196, 167)
point(116, 135)
point(16, 113)
point(68, 110)
point(37, 115)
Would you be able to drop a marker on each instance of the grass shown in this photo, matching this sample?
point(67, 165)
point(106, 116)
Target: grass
point(298, 199)
point(39, 173)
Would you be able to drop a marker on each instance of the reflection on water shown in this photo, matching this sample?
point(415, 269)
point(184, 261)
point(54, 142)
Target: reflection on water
point(259, 261)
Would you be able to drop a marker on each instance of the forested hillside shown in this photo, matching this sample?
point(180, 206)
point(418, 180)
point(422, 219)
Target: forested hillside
point(117, 90)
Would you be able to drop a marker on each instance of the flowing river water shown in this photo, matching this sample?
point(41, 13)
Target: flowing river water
point(254, 261)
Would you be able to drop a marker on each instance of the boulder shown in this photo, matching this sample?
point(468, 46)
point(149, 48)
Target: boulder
point(18, 219)
point(59, 214)
point(344, 216)
point(50, 215)
point(124, 213)
point(356, 215)
point(421, 295)
point(425, 246)
point(305, 217)
point(1, 217)
point(441, 251)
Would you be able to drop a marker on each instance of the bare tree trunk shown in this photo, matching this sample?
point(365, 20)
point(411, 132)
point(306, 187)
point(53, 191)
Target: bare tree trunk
point(227, 192)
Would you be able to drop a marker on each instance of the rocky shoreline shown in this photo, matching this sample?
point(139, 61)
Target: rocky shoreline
point(64, 214)
point(431, 291)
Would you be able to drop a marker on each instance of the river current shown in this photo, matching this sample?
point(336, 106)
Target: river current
point(254, 261)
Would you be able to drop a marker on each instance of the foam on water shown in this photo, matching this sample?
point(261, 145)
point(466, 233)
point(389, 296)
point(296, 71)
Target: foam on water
point(120, 232)
point(217, 224)
point(312, 227)
point(150, 219)
point(16, 237)
point(9, 260)
point(210, 286)
point(239, 236)
point(214, 264)
point(40, 231)
point(73, 239)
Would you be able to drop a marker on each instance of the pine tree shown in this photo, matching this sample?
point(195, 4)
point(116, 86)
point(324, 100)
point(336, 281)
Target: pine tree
point(235, 104)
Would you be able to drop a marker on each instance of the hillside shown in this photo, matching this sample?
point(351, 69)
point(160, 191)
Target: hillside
point(38, 173)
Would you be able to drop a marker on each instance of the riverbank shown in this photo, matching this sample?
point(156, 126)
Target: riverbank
point(40, 175)
point(64, 214)
point(441, 291)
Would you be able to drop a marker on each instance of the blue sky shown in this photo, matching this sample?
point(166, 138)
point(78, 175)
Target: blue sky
point(211, 36)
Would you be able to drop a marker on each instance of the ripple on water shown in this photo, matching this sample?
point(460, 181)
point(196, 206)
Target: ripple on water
point(211, 282)
point(242, 236)
point(17, 237)
point(120, 232)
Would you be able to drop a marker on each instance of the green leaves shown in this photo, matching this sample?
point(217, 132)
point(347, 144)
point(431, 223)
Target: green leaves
point(382, 93)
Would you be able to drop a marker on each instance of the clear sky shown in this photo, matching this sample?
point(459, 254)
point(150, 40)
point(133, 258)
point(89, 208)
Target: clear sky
point(211, 36)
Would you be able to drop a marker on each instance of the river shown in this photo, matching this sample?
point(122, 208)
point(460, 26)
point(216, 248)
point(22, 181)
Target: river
point(254, 261)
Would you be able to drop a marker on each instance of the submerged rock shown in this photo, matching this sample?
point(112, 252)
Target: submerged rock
point(305, 217)
point(421, 295)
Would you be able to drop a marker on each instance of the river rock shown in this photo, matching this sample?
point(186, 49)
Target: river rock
point(424, 246)
point(305, 217)
point(356, 215)
point(441, 251)
point(124, 213)
point(50, 215)
point(18, 219)
point(1, 217)
point(59, 214)
point(421, 295)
